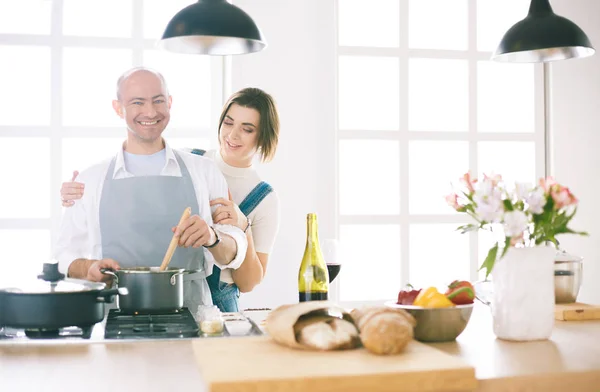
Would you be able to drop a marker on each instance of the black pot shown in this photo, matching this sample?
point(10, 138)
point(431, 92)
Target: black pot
point(52, 302)
point(150, 290)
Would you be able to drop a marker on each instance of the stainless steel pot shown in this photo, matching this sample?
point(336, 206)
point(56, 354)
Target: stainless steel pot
point(568, 271)
point(150, 290)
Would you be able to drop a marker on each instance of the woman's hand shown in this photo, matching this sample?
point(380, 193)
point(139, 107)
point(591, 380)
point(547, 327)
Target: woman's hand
point(71, 191)
point(228, 213)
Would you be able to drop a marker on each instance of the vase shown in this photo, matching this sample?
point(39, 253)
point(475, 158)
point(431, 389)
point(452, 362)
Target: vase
point(523, 300)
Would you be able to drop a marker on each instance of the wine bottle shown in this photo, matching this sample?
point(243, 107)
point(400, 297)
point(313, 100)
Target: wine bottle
point(313, 278)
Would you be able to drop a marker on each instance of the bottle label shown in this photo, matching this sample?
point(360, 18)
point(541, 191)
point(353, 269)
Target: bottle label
point(312, 296)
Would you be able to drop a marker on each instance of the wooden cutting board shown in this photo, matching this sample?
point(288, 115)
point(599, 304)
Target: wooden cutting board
point(576, 312)
point(259, 364)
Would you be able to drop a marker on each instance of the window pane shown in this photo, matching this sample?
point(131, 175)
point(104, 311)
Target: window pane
point(369, 93)
point(494, 18)
point(505, 101)
point(25, 17)
point(369, 272)
point(158, 13)
point(373, 23)
point(106, 18)
point(369, 174)
point(81, 153)
point(438, 255)
point(438, 24)
point(87, 97)
point(429, 181)
point(189, 81)
point(25, 81)
point(17, 263)
point(26, 191)
point(438, 95)
point(515, 161)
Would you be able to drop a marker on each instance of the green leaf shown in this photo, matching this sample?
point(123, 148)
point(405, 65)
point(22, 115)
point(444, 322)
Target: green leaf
point(506, 246)
point(466, 228)
point(508, 205)
point(488, 263)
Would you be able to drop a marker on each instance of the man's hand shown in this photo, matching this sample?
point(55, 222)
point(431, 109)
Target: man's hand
point(94, 273)
point(194, 232)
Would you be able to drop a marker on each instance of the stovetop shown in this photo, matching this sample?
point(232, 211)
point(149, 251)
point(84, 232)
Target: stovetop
point(120, 327)
point(179, 324)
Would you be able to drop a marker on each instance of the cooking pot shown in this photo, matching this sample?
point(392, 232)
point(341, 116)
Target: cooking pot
point(53, 301)
point(568, 271)
point(150, 289)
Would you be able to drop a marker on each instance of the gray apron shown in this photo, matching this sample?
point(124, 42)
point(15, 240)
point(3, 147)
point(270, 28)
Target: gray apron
point(136, 216)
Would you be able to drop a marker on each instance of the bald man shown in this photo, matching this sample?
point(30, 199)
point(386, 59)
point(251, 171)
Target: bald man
point(134, 200)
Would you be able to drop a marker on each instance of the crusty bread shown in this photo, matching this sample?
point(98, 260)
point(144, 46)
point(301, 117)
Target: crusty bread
point(384, 330)
point(328, 333)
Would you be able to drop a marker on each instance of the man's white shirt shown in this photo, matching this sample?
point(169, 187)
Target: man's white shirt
point(79, 235)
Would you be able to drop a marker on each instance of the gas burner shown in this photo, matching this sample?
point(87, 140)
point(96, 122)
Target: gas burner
point(179, 324)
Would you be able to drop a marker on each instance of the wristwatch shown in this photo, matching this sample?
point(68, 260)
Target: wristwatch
point(216, 241)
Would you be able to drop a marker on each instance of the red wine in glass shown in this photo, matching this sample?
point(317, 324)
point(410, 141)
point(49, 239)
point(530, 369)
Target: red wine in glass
point(333, 270)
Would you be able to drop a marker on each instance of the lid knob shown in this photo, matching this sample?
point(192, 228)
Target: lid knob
point(50, 273)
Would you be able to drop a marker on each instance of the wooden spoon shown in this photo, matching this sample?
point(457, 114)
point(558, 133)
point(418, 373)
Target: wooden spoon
point(174, 240)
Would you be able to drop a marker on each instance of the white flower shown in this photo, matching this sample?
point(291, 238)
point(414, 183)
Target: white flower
point(536, 201)
point(522, 189)
point(515, 223)
point(490, 212)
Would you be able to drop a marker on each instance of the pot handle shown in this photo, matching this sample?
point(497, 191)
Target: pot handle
point(111, 272)
point(172, 280)
point(107, 296)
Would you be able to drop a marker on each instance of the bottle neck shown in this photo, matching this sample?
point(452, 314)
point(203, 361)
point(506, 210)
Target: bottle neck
point(312, 230)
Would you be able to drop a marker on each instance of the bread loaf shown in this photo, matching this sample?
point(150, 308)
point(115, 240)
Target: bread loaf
point(384, 330)
point(327, 333)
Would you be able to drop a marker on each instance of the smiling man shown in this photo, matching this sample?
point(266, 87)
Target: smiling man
point(133, 200)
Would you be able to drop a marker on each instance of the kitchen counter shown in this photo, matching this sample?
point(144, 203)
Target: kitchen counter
point(569, 361)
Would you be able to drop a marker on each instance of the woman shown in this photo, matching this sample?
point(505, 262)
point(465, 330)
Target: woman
point(248, 125)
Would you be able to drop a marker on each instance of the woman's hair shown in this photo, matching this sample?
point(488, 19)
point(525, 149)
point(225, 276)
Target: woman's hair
point(264, 104)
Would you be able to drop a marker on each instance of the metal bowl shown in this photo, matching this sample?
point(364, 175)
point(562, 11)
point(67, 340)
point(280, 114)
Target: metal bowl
point(568, 270)
point(437, 324)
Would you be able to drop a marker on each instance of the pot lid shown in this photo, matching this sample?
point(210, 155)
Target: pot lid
point(52, 281)
point(564, 257)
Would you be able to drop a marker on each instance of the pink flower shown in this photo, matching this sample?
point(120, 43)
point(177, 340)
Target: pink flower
point(562, 196)
point(468, 181)
point(452, 200)
point(494, 178)
point(547, 183)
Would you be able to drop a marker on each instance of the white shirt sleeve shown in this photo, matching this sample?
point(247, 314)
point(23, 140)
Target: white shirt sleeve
point(217, 188)
point(73, 240)
point(265, 224)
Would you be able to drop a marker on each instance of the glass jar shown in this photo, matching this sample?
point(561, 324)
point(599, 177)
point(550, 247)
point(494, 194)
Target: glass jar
point(210, 320)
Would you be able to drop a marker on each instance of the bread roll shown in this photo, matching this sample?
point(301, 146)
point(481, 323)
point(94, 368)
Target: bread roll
point(384, 330)
point(327, 333)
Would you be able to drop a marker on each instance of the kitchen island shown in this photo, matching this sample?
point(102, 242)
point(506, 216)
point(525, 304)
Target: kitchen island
point(570, 360)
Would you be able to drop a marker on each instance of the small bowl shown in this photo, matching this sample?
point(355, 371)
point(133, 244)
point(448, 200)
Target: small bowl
point(437, 324)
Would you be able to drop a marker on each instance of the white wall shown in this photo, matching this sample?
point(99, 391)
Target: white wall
point(575, 130)
point(298, 69)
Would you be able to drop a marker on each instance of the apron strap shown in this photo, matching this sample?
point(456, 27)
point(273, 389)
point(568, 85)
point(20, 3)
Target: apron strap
point(255, 196)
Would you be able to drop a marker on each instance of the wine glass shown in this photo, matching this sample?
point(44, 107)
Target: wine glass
point(331, 251)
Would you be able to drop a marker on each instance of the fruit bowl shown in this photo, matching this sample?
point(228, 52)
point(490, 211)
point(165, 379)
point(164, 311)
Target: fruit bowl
point(437, 324)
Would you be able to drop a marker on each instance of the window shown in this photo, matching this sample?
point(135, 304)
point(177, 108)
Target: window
point(418, 104)
point(61, 61)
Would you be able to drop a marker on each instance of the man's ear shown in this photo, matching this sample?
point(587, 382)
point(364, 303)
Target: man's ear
point(169, 102)
point(116, 104)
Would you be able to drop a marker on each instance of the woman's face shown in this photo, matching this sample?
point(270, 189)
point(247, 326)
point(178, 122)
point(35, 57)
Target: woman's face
point(238, 135)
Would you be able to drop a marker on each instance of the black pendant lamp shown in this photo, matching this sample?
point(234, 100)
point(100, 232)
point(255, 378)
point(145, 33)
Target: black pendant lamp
point(543, 36)
point(213, 27)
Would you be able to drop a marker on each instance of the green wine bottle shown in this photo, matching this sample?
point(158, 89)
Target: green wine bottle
point(313, 278)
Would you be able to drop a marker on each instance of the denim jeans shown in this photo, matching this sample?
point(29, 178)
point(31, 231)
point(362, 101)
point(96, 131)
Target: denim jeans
point(225, 297)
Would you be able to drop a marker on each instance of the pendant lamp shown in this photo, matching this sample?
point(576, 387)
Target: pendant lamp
point(212, 27)
point(541, 37)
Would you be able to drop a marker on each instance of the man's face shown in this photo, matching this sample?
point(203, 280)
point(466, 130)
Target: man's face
point(144, 105)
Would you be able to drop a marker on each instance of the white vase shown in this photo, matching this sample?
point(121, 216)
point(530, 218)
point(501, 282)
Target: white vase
point(523, 300)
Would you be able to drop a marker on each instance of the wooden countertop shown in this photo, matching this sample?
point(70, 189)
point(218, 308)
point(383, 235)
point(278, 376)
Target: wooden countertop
point(570, 361)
